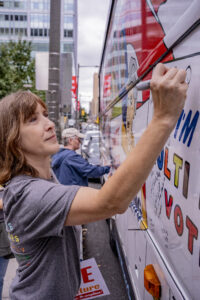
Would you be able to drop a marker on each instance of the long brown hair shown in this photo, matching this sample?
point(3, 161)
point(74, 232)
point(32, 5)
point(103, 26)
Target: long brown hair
point(14, 109)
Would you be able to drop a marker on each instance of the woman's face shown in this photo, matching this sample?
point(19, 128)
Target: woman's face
point(37, 135)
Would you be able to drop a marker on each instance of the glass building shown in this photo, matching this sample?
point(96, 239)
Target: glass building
point(30, 20)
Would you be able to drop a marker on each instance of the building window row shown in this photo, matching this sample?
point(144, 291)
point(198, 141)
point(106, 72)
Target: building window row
point(13, 4)
point(40, 47)
point(13, 31)
point(45, 32)
point(13, 17)
point(68, 21)
point(68, 5)
point(68, 47)
point(40, 20)
point(40, 5)
point(68, 33)
point(39, 32)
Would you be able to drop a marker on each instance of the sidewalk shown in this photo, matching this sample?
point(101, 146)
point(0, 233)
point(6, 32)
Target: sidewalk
point(10, 273)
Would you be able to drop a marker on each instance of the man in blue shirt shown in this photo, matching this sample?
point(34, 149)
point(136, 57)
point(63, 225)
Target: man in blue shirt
point(71, 168)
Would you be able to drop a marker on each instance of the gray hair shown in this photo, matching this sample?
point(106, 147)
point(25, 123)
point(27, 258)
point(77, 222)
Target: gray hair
point(66, 140)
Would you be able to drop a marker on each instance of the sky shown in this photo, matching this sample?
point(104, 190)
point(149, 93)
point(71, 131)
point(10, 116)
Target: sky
point(92, 19)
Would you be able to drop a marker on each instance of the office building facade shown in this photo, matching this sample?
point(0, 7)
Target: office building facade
point(30, 20)
point(94, 108)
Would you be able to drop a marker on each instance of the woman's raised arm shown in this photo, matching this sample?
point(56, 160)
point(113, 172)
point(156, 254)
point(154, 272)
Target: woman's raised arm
point(169, 90)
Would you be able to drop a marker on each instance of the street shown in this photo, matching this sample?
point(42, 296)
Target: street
point(96, 244)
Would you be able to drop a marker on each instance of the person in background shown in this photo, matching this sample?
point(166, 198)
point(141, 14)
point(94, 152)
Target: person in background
point(5, 251)
point(41, 214)
point(71, 168)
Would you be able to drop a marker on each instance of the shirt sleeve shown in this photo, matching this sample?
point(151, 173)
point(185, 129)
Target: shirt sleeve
point(41, 209)
point(84, 168)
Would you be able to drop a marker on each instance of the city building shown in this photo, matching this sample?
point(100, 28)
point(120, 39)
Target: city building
point(30, 20)
point(94, 108)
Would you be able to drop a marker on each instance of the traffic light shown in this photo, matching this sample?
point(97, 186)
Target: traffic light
point(82, 112)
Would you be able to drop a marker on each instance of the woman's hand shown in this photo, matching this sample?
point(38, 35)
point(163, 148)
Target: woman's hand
point(169, 91)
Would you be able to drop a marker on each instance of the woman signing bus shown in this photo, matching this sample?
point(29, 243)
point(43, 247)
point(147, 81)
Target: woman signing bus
point(41, 214)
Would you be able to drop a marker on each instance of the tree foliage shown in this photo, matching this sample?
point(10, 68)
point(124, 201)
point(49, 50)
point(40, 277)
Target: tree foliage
point(17, 68)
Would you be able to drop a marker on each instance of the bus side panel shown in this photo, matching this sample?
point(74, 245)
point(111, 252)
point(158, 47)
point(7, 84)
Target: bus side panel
point(161, 226)
point(169, 289)
point(173, 188)
point(136, 256)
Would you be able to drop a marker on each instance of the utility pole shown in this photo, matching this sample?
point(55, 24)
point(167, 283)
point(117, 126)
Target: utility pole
point(77, 115)
point(53, 93)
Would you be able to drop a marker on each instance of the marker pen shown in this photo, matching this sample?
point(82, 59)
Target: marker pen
point(143, 85)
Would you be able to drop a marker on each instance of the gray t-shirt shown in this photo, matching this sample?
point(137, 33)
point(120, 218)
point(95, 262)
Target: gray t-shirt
point(4, 242)
point(1, 210)
point(47, 251)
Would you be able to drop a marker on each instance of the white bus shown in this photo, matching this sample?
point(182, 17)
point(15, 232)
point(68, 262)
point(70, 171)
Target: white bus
point(157, 238)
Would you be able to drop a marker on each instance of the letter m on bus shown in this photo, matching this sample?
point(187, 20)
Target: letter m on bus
point(188, 127)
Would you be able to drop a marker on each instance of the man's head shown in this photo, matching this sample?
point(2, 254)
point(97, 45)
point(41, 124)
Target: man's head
point(72, 138)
